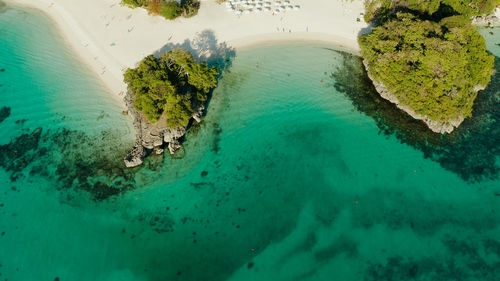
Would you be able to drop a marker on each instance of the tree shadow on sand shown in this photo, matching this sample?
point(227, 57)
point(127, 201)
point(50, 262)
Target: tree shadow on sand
point(471, 151)
point(205, 47)
point(3, 7)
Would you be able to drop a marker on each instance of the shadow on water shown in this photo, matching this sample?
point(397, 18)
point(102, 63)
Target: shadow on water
point(471, 151)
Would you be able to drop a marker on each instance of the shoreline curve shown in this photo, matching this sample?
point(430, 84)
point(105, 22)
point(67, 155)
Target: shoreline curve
point(108, 38)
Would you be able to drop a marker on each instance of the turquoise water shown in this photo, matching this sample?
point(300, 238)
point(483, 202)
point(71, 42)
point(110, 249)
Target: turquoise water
point(298, 172)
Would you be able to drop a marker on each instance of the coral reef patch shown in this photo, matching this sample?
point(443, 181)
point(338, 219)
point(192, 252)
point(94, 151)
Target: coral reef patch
point(4, 113)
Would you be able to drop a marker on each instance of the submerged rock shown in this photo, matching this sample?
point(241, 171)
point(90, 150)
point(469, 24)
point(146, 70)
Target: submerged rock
point(4, 113)
point(20, 153)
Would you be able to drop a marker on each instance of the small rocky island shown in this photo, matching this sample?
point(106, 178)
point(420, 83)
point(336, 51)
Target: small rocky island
point(164, 95)
point(427, 58)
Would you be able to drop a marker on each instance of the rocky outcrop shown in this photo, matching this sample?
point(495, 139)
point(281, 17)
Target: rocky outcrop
point(136, 156)
point(486, 20)
point(198, 113)
point(436, 126)
point(153, 137)
point(174, 146)
point(171, 135)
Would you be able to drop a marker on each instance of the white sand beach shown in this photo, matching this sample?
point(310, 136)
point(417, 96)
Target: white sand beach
point(110, 37)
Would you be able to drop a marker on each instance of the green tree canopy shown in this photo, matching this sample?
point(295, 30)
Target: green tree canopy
point(171, 85)
point(199, 75)
point(435, 68)
point(169, 9)
point(134, 3)
point(462, 7)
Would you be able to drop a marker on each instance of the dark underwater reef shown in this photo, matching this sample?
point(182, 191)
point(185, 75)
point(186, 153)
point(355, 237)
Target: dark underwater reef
point(72, 158)
point(470, 151)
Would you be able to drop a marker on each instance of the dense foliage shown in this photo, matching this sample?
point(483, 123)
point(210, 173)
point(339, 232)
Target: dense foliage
point(172, 84)
point(432, 67)
point(462, 7)
point(170, 9)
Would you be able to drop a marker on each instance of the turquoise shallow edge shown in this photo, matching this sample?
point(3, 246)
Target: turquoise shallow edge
point(291, 176)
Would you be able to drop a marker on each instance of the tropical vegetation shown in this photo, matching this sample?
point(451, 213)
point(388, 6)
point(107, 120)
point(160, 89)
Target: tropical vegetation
point(171, 85)
point(169, 9)
point(434, 65)
point(463, 7)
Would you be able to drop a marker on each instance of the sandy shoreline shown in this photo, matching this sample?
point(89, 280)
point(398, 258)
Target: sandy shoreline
point(110, 38)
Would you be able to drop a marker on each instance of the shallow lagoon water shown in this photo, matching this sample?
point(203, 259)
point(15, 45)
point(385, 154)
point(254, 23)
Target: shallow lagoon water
point(289, 177)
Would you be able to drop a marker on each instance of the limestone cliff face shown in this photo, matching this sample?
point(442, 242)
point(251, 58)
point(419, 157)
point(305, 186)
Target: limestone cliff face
point(153, 137)
point(436, 126)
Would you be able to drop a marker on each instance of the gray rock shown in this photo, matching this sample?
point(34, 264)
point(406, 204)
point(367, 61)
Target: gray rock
point(170, 135)
point(135, 157)
point(198, 113)
point(173, 146)
point(158, 141)
point(196, 118)
point(150, 139)
point(158, 151)
point(486, 20)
